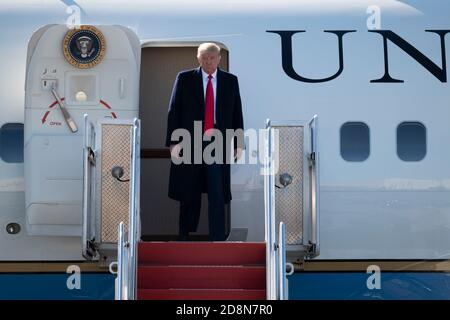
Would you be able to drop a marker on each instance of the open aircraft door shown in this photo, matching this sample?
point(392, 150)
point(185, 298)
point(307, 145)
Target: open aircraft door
point(81, 105)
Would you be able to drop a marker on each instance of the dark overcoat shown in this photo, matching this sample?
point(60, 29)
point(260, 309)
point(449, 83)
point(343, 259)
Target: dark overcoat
point(187, 104)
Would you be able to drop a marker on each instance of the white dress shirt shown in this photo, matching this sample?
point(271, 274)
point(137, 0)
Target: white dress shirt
point(214, 84)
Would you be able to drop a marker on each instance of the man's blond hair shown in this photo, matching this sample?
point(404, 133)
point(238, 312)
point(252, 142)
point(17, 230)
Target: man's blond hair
point(208, 47)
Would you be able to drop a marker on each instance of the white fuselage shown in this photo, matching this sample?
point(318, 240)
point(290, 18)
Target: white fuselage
point(379, 208)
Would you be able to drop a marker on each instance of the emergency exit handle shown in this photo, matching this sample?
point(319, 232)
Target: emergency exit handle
point(70, 122)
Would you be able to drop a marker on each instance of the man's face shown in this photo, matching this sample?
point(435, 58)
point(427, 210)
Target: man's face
point(209, 61)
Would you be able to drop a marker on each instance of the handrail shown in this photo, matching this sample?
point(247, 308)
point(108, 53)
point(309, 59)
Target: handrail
point(272, 248)
point(271, 273)
point(282, 262)
point(86, 232)
point(85, 188)
point(127, 250)
point(314, 172)
point(266, 208)
point(120, 261)
point(134, 214)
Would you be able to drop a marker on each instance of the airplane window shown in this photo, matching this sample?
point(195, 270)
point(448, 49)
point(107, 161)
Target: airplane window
point(355, 145)
point(11, 142)
point(411, 141)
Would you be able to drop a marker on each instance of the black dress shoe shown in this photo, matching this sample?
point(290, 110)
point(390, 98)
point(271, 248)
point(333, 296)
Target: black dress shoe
point(183, 237)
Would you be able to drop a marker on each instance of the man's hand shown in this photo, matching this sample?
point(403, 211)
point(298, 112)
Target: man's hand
point(175, 151)
point(237, 154)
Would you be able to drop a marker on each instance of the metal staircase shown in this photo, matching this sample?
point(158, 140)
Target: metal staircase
point(200, 270)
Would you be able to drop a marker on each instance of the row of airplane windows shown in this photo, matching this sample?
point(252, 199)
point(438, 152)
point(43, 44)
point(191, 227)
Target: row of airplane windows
point(411, 141)
point(354, 140)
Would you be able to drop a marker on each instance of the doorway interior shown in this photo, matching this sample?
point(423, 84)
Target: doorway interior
point(160, 63)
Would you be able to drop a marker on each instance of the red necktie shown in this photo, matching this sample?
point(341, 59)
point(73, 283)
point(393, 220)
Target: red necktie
point(209, 106)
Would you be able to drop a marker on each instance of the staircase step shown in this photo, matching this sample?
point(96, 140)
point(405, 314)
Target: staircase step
point(200, 294)
point(203, 253)
point(201, 277)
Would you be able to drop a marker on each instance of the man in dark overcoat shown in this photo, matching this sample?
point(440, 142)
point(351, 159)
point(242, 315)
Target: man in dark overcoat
point(205, 103)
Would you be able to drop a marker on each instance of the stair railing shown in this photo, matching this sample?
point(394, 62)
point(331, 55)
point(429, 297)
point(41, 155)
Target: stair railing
point(122, 262)
point(274, 266)
point(282, 262)
point(283, 292)
point(128, 243)
point(269, 198)
point(276, 281)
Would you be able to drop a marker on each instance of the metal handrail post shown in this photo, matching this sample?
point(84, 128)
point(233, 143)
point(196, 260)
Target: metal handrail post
point(87, 236)
point(268, 179)
point(282, 262)
point(85, 187)
point(134, 215)
point(271, 246)
point(266, 211)
point(120, 262)
point(315, 219)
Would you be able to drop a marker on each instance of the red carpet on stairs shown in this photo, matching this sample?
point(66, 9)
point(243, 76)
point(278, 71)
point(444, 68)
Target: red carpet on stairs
point(201, 270)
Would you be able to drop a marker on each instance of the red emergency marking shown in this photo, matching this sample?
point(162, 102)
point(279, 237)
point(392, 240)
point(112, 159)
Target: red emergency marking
point(107, 106)
point(44, 118)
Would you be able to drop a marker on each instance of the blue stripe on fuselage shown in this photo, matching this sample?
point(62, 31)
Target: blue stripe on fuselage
point(353, 285)
point(53, 286)
point(302, 286)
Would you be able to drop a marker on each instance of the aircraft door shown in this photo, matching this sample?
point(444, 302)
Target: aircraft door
point(92, 70)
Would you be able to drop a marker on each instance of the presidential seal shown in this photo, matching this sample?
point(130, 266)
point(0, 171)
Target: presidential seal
point(84, 47)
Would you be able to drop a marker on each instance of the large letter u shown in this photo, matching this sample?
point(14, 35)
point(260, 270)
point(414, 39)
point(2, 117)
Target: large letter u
point(286, 54)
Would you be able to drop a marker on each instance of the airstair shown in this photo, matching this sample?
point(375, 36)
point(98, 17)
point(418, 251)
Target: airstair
point(199, 270)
